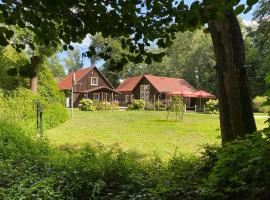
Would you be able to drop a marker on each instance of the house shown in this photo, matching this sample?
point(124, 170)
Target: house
point(154, 88)
point(87, 83)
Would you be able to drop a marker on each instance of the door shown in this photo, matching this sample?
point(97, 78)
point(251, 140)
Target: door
point(145, 92)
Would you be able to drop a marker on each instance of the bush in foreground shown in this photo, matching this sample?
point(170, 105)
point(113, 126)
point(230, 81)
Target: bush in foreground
point(30, 169)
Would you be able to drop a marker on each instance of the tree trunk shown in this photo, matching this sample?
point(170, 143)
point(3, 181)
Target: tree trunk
point(235, 103)
point(33, 84)
point(35, 61)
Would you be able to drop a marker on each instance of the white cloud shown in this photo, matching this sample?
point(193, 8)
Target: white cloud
point(86, 41)
point(250, 23)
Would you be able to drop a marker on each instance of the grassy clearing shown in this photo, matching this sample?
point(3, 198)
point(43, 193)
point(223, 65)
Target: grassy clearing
point(146, 132)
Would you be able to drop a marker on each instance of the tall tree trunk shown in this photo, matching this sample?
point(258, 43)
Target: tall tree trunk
point(35, 61)
point(235, 103)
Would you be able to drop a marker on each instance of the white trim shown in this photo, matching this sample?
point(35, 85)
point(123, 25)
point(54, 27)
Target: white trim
point(92, 78)
point(127, 98)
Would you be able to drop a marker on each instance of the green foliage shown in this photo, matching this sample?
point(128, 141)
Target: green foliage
point(105, 105)
point(158, 23)
point(54, 64)
point(73, 61)
point(241, 170)
point(87, 105)
point(18, 107)
point(137, 104)
point(24, 165)
point(47, 87)
point(159, 105)
point(176, 105)
point(30, 169)
point(211, 106)
point(260, 104)
point(10, 60)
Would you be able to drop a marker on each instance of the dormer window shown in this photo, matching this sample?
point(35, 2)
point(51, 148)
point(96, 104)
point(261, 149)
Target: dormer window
point(94, 81)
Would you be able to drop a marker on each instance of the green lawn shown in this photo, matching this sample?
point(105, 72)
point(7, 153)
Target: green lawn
point(145, 132)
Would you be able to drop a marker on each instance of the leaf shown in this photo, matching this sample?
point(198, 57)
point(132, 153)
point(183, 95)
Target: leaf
point(27, 71)
point(239, 9)
point(9, 34)
point(251, 2)
point(148, 60)
point(21, 24)
point(71, 47)
point(65, 47)
point(247, 9)
point(12, 72)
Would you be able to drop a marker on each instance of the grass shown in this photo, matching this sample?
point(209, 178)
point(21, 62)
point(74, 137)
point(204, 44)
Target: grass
point(145, 132)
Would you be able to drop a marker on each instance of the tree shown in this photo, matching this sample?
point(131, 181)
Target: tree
point(54, 64)
point(141, 23)
point(73, 61)
point(258, 45)
point(11, 59)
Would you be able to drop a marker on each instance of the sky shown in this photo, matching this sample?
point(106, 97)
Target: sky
point(247, 19)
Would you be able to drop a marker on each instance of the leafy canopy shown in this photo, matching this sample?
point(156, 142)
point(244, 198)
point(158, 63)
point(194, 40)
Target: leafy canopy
point(139, 23)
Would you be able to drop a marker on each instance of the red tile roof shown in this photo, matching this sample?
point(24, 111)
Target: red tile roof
point(66, 83)
point(204, 94)
point(162, 84)
point(129, 84)
point(165, 84)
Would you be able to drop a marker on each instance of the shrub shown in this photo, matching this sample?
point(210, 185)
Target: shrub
point(149, 105)
point(160, 106)
point(87, 105)
point(19, 107)
point(241, 170)
point(259, 104)
point(211, 106)
point(137, 104)
point(105, 105)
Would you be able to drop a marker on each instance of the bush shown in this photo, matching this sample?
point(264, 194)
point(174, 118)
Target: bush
point(19, 107)
point(105, 105)
point(211, 106)
point(160, 106)
point(241, 170)
point(149, 105)
point(137, 104)
point(259, 105)
point(87, 105)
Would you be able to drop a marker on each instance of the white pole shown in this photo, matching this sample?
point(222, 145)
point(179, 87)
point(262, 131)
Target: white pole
point(72, 102)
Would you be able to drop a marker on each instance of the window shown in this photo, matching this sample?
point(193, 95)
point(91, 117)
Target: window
point(127, 98)
point(96, 96)
point(131, 97)
point(144, 92)
point(94, 81)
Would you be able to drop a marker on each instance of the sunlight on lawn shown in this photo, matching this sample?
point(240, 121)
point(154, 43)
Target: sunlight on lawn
point(146, 132)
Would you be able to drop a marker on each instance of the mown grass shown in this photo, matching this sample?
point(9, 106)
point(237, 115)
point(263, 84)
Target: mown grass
point(145, 132)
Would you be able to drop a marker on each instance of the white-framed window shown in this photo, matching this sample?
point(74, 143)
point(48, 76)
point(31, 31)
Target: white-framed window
point(127, 98)
point(144, 92)
point(94, 80)
point(131, 97)
point(96, 96)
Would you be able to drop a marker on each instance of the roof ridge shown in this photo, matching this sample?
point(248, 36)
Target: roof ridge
point(164, 77)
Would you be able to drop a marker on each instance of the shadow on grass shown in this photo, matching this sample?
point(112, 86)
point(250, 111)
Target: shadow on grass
point(172, 121)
